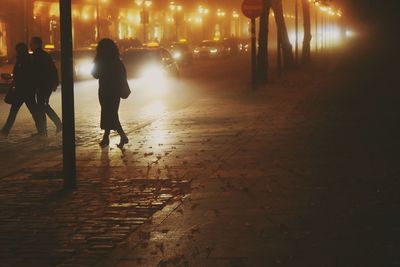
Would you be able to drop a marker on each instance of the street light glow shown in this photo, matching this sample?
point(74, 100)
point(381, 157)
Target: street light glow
point(221, 13)
point(148, 3)
point(202, 10)
point(172, 6)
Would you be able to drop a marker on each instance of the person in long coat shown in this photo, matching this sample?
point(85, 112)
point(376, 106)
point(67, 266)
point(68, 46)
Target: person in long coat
point(45, 81)
point(23, 89)
point(111, 73)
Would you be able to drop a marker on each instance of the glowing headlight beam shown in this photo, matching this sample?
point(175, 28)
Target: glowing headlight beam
point(84, 68)
point(153, 72)
point(177, 55)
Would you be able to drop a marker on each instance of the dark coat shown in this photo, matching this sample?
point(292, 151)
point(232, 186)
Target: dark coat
point(111, 75)
point(23, 77)
point(44, 71)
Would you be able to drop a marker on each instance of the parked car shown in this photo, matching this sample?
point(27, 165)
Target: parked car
point(231, 45)
point(211, 49)
point(181, 52)
point(6, 74)
point(149, 63)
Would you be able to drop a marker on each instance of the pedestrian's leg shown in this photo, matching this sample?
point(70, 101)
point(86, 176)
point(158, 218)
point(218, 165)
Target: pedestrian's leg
point(11, 117)
point(124, 139)
point(41, 114)
point(53, 115)
point(32, 106)
point(106, 139)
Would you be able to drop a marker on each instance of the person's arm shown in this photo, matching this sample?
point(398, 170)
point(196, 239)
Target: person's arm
point(95, 70)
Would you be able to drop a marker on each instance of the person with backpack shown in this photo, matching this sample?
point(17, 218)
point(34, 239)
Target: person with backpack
point(45, 80)
point(22, 89)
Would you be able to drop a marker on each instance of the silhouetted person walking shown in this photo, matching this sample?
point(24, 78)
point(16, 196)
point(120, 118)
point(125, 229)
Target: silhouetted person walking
point(111, 74)
point(23, 88)
point(45, 82)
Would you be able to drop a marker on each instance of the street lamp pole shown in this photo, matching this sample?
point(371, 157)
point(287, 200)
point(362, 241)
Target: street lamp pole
point(144, 15)
point(235, 16)
point(316, 29)
point(67, 91)
point(97, 21)
point(203, 11)
point(221, 15)
point(176, 9)
point(296, 7)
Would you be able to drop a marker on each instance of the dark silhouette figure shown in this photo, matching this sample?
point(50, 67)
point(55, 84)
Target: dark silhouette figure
point(45, 81)
point(111, 73)
point(23, 89)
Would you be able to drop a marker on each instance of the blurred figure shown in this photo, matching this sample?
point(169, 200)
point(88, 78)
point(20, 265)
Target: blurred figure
point(23, 88)
point(45, 81)
point(111, 73)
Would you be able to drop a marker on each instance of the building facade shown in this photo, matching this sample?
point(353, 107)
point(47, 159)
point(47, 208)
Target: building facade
point(115, 19)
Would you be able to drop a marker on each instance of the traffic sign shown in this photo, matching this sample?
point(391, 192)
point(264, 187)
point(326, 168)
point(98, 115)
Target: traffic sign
point(252, 8)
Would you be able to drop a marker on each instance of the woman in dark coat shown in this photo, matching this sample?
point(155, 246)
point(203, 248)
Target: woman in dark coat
point(111, 74)
point(23, 89)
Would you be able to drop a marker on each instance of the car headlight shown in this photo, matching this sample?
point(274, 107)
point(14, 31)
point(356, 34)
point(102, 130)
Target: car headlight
point(177, 55)
point(196, 51)
point(84, 68)
point(213, 50)
point(153, 72)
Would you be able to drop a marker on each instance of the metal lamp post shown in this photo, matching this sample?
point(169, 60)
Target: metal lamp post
point(144, 15)
point(296, 22)
point(67, 90)
point(235, 16)
point(203, 11)
point(176, 10)
point(97, 21)
point(221, 15)
point(98, 17)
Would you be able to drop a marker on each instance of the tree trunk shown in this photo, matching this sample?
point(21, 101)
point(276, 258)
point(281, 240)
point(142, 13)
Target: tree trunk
point(306, 55)
point(262, 57)
point(288, 58)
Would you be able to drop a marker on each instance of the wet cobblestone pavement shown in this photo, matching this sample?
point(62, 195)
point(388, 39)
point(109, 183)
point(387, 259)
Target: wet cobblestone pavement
point(302, 173)
point(118, 190)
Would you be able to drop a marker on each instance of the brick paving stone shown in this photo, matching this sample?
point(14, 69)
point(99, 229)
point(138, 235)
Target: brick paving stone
point(299, 187)
point(118, 191)
point(197, 186)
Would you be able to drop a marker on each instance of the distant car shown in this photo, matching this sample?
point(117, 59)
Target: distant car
point(211, 49)
point(244, 45)
point(82, 62)
point(149, 63)
point(232, 45)
point(181, 52)
point(125, 44)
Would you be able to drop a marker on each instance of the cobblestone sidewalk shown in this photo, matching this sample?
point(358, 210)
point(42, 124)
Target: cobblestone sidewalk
point(41, 225)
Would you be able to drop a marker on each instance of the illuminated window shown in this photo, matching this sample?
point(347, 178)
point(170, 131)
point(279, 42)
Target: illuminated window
point(3, 40)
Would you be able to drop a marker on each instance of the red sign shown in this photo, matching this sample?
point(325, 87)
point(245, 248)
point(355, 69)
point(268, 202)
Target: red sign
point(252, 8)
